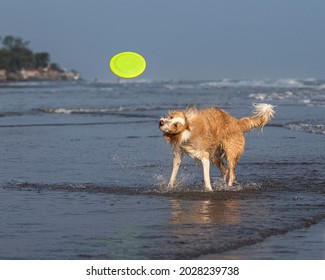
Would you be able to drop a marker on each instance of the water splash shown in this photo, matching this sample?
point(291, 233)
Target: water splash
point(219, 185)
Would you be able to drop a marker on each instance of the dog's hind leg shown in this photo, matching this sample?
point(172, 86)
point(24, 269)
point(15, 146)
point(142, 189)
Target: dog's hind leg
point(178, 156)
point(232, 163)
point(234, 149)
point(217, 160)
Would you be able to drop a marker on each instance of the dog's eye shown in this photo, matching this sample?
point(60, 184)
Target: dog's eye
point(175, 125)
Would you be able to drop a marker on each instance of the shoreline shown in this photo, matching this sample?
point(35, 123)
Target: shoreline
point(301, 244)
point(38, 75)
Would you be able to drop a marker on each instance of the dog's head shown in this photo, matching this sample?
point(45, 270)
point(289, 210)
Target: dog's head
point(174, 123)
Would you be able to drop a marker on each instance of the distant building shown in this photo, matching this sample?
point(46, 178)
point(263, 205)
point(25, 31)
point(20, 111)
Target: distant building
point(71, 75)
point(34, 74)
point(31, 74)
point(3, 75)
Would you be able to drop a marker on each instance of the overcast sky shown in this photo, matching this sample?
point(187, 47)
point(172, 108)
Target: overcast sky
point(180, 39)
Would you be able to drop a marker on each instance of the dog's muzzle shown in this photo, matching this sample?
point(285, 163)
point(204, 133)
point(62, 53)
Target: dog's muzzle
point(161, 122)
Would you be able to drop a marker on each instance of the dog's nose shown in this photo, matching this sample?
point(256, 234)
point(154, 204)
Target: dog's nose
point(161, 122)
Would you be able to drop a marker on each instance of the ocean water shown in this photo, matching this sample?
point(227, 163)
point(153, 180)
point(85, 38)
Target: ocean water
point(84, 170)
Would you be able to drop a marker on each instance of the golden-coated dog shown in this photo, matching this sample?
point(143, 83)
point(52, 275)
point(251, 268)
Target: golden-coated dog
point(211, 134)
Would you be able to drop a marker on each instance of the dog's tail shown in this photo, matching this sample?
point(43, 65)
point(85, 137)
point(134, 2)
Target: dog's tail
point(262, 113)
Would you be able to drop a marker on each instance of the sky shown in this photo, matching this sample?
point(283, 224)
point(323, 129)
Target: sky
point(180, 39)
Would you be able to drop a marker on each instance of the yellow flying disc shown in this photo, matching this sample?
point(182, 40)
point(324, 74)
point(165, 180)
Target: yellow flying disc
point(127, 64)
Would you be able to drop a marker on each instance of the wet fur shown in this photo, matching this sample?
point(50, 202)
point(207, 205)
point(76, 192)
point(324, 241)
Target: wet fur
point(211, 135)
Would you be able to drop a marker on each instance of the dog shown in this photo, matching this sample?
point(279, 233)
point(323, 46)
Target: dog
point(211, 135)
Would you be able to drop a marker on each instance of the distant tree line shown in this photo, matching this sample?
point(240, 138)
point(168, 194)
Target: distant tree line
point(15, 55)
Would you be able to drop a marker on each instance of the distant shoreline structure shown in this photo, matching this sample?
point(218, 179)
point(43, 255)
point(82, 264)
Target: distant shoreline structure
point(19, 63)
point(40, 74)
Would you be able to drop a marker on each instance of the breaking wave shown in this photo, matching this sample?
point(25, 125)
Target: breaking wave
point(302, 97)
point(280, 83)
point(110, 110)
point(307, 126)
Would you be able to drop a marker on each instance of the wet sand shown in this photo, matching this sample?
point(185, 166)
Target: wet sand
point(303, 244)
point(89, 222)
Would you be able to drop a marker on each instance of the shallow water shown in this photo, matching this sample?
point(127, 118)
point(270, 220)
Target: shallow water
point(83, 170)
point(304, 243)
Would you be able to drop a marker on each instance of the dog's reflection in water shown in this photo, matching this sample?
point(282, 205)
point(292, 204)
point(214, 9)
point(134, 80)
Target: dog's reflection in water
point(204, 212)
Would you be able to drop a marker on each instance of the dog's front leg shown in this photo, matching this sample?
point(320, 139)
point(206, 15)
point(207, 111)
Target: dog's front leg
point(178, 156)
point(206, 173)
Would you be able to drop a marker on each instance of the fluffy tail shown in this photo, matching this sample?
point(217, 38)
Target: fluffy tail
point(262, 113)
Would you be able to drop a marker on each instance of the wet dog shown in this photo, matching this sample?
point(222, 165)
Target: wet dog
point(211, 135)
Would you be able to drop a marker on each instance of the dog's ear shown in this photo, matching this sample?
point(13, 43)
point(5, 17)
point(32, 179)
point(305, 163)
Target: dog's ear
point(190, 114)
point(187, 124)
